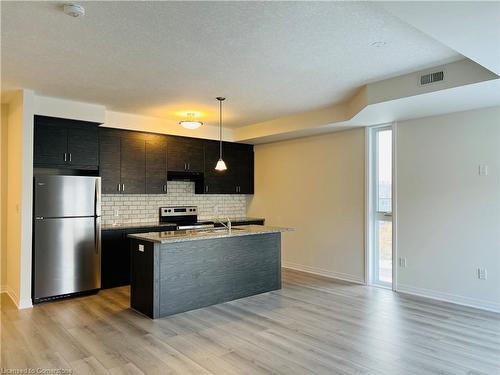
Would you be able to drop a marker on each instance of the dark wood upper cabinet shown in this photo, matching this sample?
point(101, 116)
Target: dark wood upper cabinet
point(83, 145)
point(238, 178)
point(185, 154)
point(156, 165)
point(122, 162)
point(133, 164)
point(109, 163)
point(65, 143)
point(140, 163)
point(51, 143)
point(245, 169)
point(218, 182)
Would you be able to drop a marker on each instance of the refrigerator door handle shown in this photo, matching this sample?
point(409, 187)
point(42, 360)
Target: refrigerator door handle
point(97, 203)
point(97, 236)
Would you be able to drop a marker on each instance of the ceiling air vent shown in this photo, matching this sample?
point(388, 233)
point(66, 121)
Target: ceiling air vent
point(427, 79)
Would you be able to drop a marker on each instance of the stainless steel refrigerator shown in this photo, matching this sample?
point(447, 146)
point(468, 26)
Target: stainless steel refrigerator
point(67, 236)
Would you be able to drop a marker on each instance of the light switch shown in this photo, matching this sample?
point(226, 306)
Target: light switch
point(483, 170)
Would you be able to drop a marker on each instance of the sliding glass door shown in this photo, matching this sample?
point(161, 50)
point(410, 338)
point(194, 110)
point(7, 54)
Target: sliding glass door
point(381, 218)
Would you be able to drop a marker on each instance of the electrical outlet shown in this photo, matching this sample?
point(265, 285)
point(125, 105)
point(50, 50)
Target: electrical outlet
point(483, 170)
point(402, 262)
point(482, 273)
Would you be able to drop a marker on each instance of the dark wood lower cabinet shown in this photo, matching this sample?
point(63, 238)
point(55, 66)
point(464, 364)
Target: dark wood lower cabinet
point(115, 252)
point(175, 277)
point(115, 255)
point(115, 259)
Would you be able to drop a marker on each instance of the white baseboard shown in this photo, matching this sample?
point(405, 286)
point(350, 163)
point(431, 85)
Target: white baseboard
point(322, 272)
point(448, 297)
point(23, 304)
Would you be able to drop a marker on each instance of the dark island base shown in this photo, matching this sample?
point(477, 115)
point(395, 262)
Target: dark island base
point(174, 277)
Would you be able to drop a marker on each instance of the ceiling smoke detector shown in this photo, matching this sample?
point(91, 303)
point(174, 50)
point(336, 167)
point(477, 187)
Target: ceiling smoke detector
point(74, 10)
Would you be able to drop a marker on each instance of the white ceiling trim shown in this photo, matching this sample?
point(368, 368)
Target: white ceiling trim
point(394, 99)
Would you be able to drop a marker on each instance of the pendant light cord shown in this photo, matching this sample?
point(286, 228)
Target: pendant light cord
point(220, 128)
point(220, 99)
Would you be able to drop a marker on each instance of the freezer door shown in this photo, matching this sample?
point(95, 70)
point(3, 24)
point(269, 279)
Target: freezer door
point(67, 256)
point(67, 196)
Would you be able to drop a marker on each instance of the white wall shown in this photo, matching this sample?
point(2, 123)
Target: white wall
point(315, 185)
point(448, 215)
point(19, 196)
point(56, 107)
point(3, 197)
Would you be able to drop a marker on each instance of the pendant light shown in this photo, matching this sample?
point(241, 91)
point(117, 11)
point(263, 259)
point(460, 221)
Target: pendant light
point(190, 122)
point(221, 166)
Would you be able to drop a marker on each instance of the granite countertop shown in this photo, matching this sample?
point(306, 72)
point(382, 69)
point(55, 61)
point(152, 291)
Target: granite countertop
point(158, 224)
point(234, 219)
point(136, 225)
point(193, 235)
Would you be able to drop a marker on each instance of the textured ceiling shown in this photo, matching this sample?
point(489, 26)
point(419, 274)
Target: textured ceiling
point(270, 59)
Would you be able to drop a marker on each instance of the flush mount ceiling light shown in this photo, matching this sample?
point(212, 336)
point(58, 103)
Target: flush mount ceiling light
point(74, 10)
point(190, 122)
point(221, 165)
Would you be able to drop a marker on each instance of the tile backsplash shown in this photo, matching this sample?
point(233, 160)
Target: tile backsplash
point(143, 208)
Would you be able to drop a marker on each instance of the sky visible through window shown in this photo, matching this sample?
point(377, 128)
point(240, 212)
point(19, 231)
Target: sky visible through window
point(384, 204)
point(384, 166)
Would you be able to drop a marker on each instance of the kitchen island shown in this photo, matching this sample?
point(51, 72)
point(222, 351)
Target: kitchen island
point(177, 271)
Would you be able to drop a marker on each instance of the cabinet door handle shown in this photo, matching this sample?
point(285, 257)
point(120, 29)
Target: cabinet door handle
point(123, 187)
point(119, 187)
point(189, 166)
point(165, 188)
point(70, 156)
point(65, 157)
point(206, 188)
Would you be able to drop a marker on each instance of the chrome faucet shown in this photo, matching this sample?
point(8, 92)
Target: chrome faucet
point(228, 225)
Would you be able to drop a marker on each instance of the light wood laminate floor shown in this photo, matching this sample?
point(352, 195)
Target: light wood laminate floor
point(312, 326)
